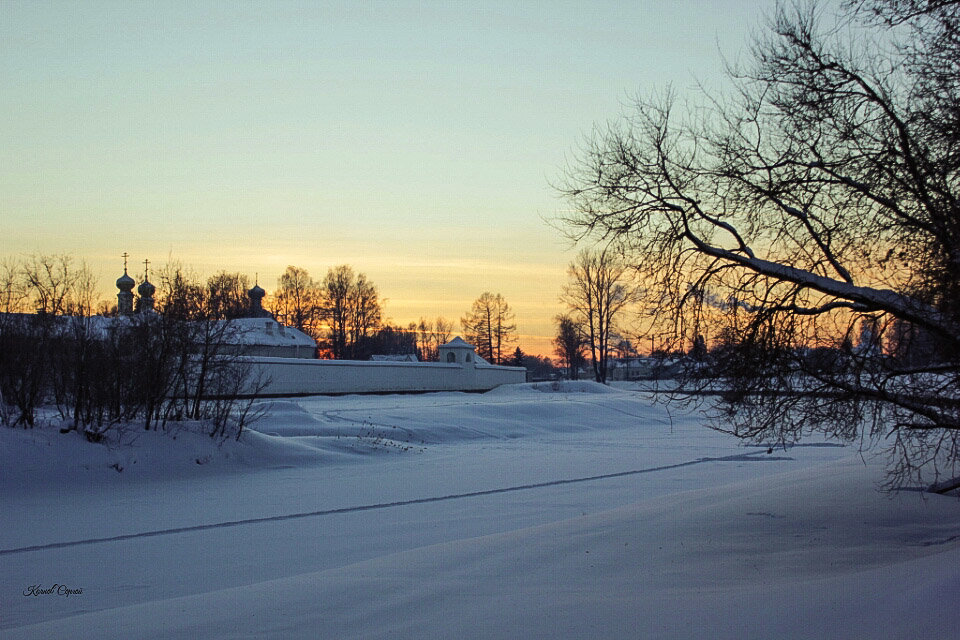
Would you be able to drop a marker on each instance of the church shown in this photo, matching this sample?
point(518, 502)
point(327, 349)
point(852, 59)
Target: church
point(257, 334)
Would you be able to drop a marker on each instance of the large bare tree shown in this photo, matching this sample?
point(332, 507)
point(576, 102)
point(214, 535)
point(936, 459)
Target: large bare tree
point(598, 291)
point(296, 302)
point(490, 326)
point(56, 287)
point(820, 193)
point(227, 296)
point(350, 308)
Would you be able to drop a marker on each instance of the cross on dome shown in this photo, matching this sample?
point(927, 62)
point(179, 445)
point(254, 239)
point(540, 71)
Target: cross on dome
point(125, 284)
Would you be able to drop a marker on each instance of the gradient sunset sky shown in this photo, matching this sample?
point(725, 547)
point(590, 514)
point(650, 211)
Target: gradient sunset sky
point(415, 141)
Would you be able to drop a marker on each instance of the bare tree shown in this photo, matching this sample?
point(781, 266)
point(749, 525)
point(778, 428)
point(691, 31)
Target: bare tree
point(180, 363)
point(569, 344)
point(365, 312)
point(597, 293)
point(822, 189)
point(297, 301)
point(180, 294)
point(44, 332)
point(490, 326)
point(54, 286)
point(350, 307)
point(14, 295)
point(442, 331)
point(335, 309)
point(226, 295)
point(431, 336)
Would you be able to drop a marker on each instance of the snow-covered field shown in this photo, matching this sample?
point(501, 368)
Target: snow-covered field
point(533, 511)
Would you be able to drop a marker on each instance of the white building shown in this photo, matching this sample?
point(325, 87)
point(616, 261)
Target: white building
point(266, 337)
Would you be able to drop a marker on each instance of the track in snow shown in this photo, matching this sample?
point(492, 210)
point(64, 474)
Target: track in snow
point(752, 457)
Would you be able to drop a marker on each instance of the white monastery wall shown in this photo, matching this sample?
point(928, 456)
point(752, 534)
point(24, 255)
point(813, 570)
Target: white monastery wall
point(289, 376)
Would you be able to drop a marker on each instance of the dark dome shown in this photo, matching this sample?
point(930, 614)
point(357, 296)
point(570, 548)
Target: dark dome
point(256, 292)
point(146, 290)
point(125, 283)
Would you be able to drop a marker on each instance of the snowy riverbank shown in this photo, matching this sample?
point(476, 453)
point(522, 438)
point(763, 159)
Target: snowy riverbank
point(531, 511)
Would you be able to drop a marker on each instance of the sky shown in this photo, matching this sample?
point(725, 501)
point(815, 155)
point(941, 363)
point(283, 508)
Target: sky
point(419, 142)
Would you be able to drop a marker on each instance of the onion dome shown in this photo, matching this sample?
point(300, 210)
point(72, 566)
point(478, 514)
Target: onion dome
point(256, 303)
point(125, 283)
point(146, 290)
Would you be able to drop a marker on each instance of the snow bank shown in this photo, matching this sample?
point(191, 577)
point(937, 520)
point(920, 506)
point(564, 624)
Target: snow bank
point(315, 431)
point(815, 553)
point(508, 412)
point(44, 455)
point(554, 386)
point(528, 512)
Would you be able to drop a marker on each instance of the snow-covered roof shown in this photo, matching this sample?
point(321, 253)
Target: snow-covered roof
point(266, 331)
point(242, 331)
point(457, 343)
point(96, 327)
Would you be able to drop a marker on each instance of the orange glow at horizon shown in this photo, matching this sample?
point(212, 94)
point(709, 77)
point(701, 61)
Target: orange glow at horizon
point(420, 143)
point(408, 293)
